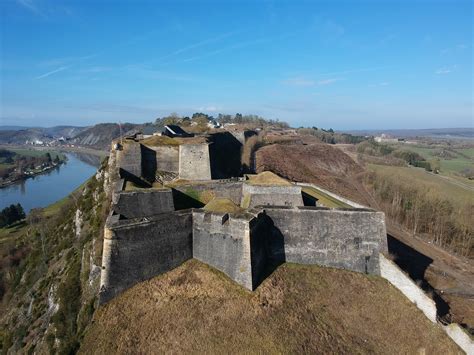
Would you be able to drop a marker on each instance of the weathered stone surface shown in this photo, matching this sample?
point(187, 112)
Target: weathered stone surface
point(231, 244)
point(130, 158)
point(194, 162)
point(220, 189)
point(223, 243)
point(164, 158)
point(133, 204)
point(348, 239)
point(136, 250)
point(390, 271)
point(257, 195)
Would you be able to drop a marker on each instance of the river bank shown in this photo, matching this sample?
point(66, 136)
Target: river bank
point(50, 186)
point(27, 175)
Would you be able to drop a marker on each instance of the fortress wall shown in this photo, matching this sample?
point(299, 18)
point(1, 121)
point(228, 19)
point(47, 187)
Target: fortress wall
point(260, 232)
point(220, 189)
point(348, 239)
point(225, 246)
point(130, 158)
point(415, 294)
point(194, 162)
point(133, 204)
point(166, 158)
point(136, 250)
point(255, 195)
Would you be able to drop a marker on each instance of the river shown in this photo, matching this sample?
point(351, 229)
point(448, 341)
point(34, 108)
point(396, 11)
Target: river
point(45, 189)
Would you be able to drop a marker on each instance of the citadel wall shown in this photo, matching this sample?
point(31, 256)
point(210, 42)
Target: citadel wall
point(194, 162)
point(348, 239)
point(133, 204)
point(224, 243)
point(129, 158)
point(215, 188)
point(165, 158)
point(258, 195)
point(138, 249)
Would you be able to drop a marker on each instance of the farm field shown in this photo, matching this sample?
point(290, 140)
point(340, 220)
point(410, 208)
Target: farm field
point(461, 158)
point(448, 189)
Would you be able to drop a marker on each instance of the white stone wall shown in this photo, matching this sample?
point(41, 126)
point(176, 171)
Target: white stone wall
point(391, 272)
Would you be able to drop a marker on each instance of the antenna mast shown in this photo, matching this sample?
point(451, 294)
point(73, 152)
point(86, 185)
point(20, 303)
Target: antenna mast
point(121, 137)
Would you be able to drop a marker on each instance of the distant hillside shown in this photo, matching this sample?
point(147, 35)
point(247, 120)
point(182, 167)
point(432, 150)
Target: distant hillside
point(465, 133)
point(20, 135)
point(101, 135)
point(98, 136)
point(297, 309)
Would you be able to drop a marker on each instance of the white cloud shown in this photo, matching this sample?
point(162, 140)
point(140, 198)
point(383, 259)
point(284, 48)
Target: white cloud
point(446, 70)
point(208, 109)
point(299, 81)
point(31, 6)
point(328, 81)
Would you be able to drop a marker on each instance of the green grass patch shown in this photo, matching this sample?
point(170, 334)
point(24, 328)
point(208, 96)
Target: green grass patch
point(37, 152)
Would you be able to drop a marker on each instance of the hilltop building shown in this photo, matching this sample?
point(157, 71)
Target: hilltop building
point(174, 131)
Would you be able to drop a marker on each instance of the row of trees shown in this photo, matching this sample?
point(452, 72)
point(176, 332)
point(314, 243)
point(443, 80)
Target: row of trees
point(424, 211)
point(331, 137)
point(11, 214)
point(372, 148)
point(203, 119)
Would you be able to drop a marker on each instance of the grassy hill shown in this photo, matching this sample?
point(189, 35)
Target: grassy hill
point(298, 309)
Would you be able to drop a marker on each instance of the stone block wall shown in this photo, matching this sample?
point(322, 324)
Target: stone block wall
point(225, 242)
point(133, 204)
point(220, 189)
point(166, 158)
point(257, 195)
point(129, 158)
point(136, 250)
point(194, 162)
point(390, 271)
point(348, 239)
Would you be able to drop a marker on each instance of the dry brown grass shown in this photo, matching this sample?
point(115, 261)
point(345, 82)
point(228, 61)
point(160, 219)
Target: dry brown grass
point(297, 309)
point(222, 205)
point(165, 140)
point(267, 178)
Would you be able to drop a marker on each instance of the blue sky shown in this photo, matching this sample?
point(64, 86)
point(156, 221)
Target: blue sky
point(340, 64)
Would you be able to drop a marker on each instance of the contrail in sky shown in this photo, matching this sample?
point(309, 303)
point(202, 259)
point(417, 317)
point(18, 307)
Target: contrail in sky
point(51, 72)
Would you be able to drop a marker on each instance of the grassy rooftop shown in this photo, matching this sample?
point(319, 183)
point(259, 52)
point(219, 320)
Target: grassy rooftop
point(222, 205)
point(156, 141)
point(267, 178)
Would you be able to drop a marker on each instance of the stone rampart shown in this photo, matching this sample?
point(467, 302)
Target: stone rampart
point(166, 158)
point(133, 204)
point(138, 249)
point(258, 195)
point(219, 189)
point(415, 294)
point(230, 244)
point(348, 239)
point(129, 158)
point(194, 162)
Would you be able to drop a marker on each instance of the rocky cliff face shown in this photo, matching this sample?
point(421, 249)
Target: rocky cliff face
point(51, 290)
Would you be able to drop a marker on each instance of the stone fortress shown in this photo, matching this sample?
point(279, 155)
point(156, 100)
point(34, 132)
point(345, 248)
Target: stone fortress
point(180, 197)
